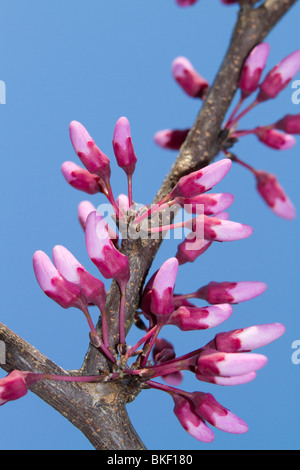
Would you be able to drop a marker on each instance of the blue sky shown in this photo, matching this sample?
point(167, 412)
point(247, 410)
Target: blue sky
point(95, 61)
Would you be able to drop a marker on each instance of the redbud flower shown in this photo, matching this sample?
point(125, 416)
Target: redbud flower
point(200, 318)
point(279, 77)
point(65, 293)
point(247, 339)
point(227, 381)
point(290, 124)
point(187, 77)
point(74, 272)
point(186, 413)
point(185, 3)
point(163, 288)
point(15, 385)
point(123, 148)
point(228, 2)
point(123, 203)
point(213, 362)
point(273, 194)
point(216, 229)
point(84, 209)
point(253, 68)
point(217, 415)
point(164, 351)
point(111, 263)
point(231, 292)
point(91, 156)
point(275, 139)
point(192, 247)
point(81, 178)
point(202, 180)
point(171, 139)
point(209, 204)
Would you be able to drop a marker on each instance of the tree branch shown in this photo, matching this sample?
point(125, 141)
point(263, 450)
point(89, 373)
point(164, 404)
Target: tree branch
point(98, 410)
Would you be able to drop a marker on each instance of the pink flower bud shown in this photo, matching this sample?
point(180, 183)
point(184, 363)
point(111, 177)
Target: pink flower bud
point(247, 339)
point(274, 195)
point(216, 229)
point(202, 180)
point(193, 247)
point(111, 263)
point(81, 179)
point(231, 292)
point(217, 415)
point(171, 139)
point(164, 351)
point(290, 124)
point(74, 272)
point(15, 385)
point(200, 318)
point(91, 156)
point(227, 381)
point(280, 76)
point(275, 139)
point(229, 2)
point(123, 148)
point(185, 412)
point(185, 3)
point(212, 362)
point(253, 68)
point(84, 209)
point(65, 293)
point(209, 204)
point(163, 288)
point(186, 76)
point(123, 203)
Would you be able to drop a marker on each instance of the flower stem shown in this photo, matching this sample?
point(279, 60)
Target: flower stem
point(140, 342)
point(243, 113)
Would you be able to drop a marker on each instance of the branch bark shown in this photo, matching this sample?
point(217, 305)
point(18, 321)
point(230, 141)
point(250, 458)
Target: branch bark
point(99, 410)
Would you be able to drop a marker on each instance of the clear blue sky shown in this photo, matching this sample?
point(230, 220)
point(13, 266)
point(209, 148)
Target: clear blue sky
point(95, 61)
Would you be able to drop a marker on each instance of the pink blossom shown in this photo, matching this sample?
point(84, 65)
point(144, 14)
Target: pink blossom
point(213, 363)
point(164, 351)
point(74, 272)
point(209, 203)
point(91, 156)
point(163, 288)
point(65, 293)
point(200, 318)
point(247, 339)
point(253, 68)
point(171, 139)
point(217, 415)
point(111, 263)
point(123, 147)
point(231, 292)
point(185, 3)
point(186, 413)
point(81, 178)
point(188, 78)
point(275, 139)
point(280, 76)
point(15, 385)
point(290, 124)
point(274, 195)
point(202, 180)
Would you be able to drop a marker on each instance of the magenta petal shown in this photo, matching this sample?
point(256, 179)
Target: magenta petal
point(190, 421)
point(247, 339)
point(84, 209)
point(228, 381)
point(212, 362)
point(217, 415)
point(163, 288)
